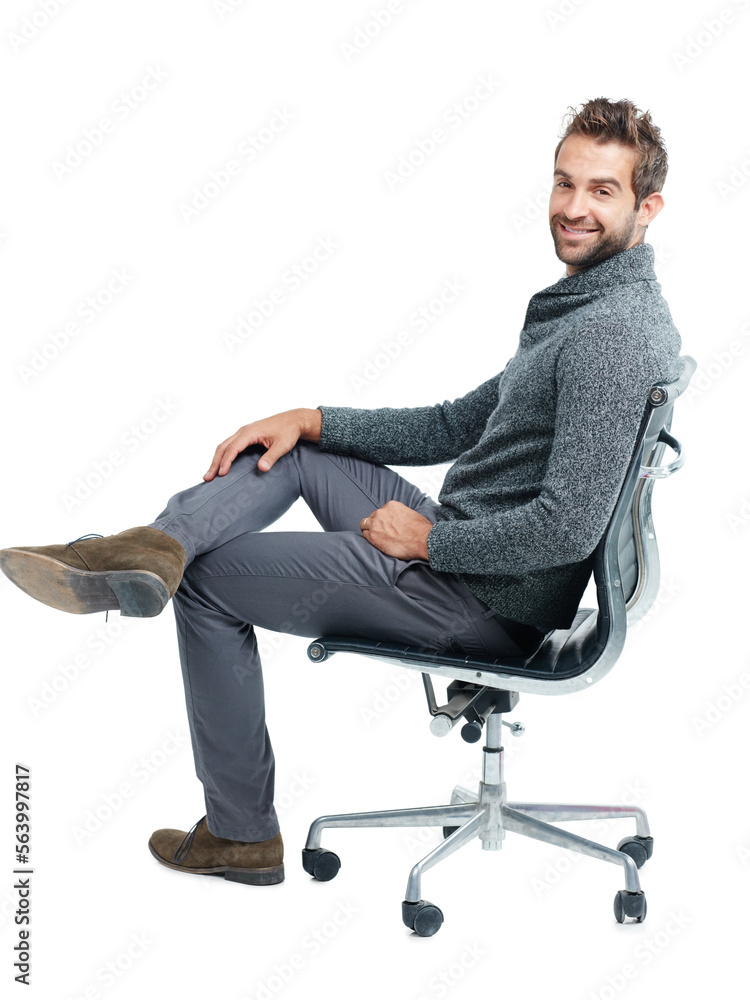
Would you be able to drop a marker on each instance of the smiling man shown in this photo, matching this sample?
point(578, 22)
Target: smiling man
point(593, 214)
point(539, 454)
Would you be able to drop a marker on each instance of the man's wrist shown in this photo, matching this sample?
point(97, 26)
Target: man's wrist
point(425, 553)
point(311, 422)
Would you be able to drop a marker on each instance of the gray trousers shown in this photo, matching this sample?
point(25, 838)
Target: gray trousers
point(308, 583)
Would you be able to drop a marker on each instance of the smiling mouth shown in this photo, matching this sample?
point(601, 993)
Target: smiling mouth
point(577, 232)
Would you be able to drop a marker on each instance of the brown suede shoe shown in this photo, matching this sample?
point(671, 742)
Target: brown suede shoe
point(199, 852)
point(135, 572)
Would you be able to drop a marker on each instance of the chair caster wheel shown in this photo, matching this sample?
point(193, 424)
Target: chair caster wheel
point(448, 830)
point(639, 849)
point(630, 904)
point(321, 864)
point(422, 917)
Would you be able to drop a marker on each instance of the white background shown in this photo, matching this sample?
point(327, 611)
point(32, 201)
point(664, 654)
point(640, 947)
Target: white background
point(530, 920)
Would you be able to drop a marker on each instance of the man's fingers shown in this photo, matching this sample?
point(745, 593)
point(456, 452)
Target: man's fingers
point(278, 441)
point(270, 457)
point(364, 524)
point(227, 458)
point(224, 456)
point(215, 462)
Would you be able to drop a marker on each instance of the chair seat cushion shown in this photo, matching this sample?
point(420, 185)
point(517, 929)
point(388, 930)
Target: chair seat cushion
point(562, 653)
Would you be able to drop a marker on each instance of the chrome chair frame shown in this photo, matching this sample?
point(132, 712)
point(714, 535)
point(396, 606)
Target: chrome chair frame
point(626, 573)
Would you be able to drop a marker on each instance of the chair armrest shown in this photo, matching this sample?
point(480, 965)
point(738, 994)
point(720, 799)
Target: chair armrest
point(663, 471)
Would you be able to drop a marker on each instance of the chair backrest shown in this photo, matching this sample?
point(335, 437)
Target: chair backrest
point(626, 560)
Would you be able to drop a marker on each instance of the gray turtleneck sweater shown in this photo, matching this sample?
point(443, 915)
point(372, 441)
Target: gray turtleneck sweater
point(541, 449)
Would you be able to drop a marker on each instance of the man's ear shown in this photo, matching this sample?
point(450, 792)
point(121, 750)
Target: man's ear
point(650, 208)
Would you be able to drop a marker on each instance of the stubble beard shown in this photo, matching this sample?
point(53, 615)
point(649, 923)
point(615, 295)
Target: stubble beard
point(602, 246)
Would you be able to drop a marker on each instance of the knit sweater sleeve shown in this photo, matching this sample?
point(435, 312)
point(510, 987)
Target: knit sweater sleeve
point(603, 375)
point(420, 435)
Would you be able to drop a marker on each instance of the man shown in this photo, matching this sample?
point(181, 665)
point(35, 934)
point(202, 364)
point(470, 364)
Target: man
point(540, 452)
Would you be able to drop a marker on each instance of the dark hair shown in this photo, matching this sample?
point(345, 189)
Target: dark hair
point(621, 121)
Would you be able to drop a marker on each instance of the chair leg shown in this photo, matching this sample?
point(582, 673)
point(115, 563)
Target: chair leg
point(448, 815)
point(466, 832)
point(462, 794)
point(553, 812)
point(528, 826)
point(418, 914)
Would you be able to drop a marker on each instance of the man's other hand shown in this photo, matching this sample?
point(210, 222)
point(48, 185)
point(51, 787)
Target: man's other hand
point(278, 434)
point(397, 530)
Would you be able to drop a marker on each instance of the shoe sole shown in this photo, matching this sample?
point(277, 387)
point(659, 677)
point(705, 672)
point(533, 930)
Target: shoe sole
point(135, 593)
point(249, 876)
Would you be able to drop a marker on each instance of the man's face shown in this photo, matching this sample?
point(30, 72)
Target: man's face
point(592, 191)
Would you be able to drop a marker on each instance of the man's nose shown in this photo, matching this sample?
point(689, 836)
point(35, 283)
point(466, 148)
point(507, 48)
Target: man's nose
point(577, 206)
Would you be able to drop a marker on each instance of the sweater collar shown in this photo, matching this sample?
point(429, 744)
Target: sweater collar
point(634, 264)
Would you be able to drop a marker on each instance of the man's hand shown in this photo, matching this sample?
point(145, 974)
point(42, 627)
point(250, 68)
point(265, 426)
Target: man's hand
point(278, 434)
point(397, 530)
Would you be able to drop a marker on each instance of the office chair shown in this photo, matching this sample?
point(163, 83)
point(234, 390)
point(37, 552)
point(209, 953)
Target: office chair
point(482, 689)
